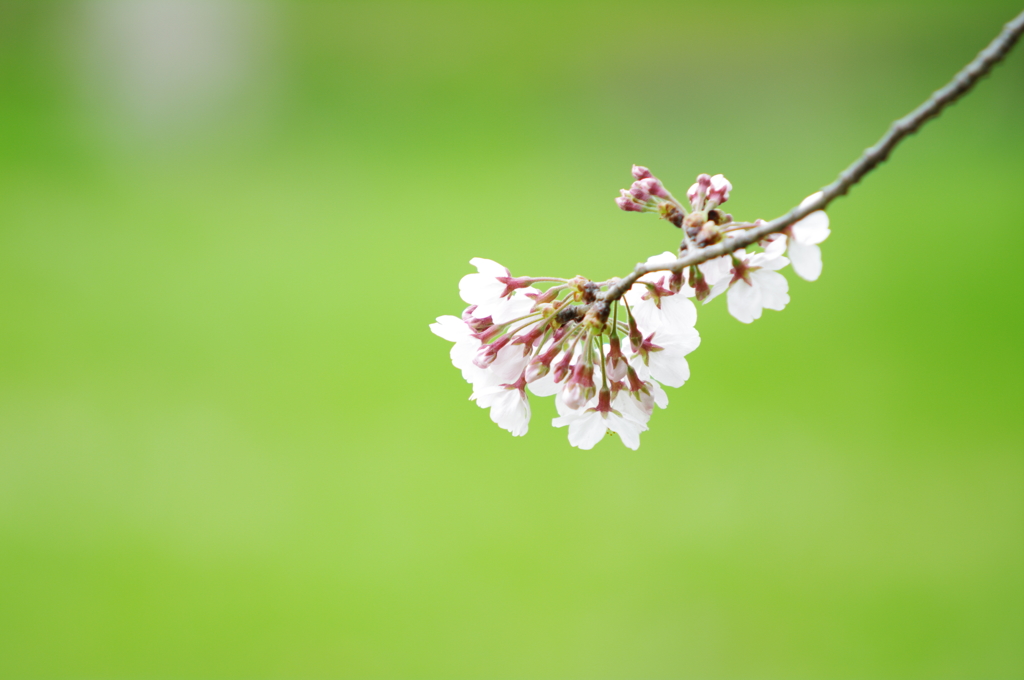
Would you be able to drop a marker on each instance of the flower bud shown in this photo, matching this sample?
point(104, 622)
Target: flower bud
point(486, 355)
point(639, 192)
point(562, 367)
point(536, 370)
point(640, 172)
point(616, 364)
point(636, 340)
point(653, 186)
point(617, 368)
point(646, 398)
point(698, 190)
point(476, 324)
point(676, 281)
point(550, 295)
point(699, 283)
point(573, 397)
point(719, 191)
point(635, 384)
point(628, 204)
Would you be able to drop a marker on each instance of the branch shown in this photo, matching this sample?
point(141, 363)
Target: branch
point(962, 82)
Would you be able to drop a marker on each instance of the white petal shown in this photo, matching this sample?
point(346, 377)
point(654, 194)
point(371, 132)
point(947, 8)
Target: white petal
point(773, 288)
point(511, 411)
point(451, 328)
point(678, 343)
point(806, 260)
point(812, 229)
point(509, 364)
point(717, 289)
point(627, 430)
point(489, 267)
point(744, 302)
point(660, 396)
point(716, 270)
point(669, 368)
point(773, 250)
point(546, 386)
point(587, 431)
point(676, 312)
point(770, 260)
point(480, 290)
point(631, 409)
point(517, 305)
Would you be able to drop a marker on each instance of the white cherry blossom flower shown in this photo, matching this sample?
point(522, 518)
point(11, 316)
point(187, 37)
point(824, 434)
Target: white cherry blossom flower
point(664, 354)
point(662, 308)
point(484, 288)
point(756, 284)
point(510, 408)
point(589, 424)
point(495, 292)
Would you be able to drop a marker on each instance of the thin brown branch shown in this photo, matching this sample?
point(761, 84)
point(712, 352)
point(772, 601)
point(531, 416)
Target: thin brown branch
point(962, 82)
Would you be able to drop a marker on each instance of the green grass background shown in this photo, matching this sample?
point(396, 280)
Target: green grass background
point(230, 447)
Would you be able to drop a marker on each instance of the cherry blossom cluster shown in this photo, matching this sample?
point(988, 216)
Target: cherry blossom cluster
point(606, 357)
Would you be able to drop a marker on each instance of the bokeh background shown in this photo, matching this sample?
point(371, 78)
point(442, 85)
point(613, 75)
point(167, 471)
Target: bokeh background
point(230, 448)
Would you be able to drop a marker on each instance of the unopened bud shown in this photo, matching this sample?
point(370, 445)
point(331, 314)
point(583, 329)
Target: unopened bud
point(628, 204)
point(616, 368)
point(478, 325)
point(550, 295)
point(562, 367)
point(699, 284)
point(698, 191)
point(719, 191)
point(639, 192)
point(653, 185)
point(640, 172)
point(536, 370)
point(646, 398)
point(675, 282)
point(572, 396)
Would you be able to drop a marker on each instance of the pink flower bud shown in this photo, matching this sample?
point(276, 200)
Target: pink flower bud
point(562, 367)
point(695, 194)
point(638, 192)
point(573, 397)
point(477, 325)
point(617, 368)
point(635, 384)
point(640, 172)
point(719, 191)
point(653, 185)
point(616, 362)
point(536, 370)
point(486, 355)
point(646, 398)
point(628, 204)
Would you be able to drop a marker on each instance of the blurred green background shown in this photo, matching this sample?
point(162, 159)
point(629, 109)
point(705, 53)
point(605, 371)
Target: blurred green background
point(230, 447)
